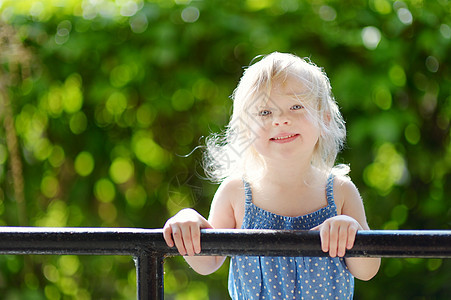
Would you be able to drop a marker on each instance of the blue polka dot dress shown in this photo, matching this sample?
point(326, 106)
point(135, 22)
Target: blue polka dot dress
point(265, 277)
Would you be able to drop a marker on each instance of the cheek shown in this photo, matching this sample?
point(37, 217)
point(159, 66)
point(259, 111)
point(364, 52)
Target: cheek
point(257, 130)
point(258, 137)
point(253, 136)
point(259, 146)
point(312, 124)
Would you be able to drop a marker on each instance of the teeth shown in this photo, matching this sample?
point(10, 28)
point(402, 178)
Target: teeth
point(284, 137)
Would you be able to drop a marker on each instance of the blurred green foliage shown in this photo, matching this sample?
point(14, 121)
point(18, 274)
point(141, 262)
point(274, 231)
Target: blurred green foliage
point(101, 101)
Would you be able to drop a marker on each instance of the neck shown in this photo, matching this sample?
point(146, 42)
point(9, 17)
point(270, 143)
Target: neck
point(289, 172)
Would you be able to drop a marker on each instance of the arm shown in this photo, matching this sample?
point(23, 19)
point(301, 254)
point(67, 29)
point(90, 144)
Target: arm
point(338, 233)
point(183, 229)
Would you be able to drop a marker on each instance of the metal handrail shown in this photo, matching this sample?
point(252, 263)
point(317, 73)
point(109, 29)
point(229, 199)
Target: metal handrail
point(148, 248)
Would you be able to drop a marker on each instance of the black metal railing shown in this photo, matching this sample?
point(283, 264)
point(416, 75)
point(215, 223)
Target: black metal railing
point(149, 249)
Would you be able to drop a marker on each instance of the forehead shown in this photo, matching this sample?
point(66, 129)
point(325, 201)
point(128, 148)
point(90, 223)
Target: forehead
point(289, 90)
point(290, 86)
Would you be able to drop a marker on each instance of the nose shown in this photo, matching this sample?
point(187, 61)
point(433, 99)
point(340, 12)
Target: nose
point(281, 120)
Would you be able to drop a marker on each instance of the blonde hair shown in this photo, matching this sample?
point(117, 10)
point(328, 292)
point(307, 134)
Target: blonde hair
point(231, 153)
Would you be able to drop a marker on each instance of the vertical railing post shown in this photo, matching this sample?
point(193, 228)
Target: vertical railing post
point(149, 276)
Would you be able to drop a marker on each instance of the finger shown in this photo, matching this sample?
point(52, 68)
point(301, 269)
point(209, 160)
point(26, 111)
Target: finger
point(206, 225)
point(342, 241)
point(178, 239)
point(325, 236)
point(333, 241)
point(316, 227)
point(188, 240)
point(167, 235)
point(352, 231)
point(195, 235)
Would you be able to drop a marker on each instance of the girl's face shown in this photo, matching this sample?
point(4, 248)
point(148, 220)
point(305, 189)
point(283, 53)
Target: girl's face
point(283, 127)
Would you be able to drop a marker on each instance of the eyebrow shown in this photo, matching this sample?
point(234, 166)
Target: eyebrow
point(266, 107)
point(296, 95)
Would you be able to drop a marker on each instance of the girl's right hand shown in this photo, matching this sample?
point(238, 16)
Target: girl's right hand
point(183, 231)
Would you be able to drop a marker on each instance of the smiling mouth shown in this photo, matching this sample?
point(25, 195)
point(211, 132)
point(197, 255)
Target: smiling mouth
point(285, 137)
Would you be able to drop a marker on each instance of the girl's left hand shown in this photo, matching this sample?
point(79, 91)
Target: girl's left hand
point(338, 234)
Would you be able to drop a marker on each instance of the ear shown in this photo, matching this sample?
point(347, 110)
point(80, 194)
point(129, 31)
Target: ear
point(327, 118)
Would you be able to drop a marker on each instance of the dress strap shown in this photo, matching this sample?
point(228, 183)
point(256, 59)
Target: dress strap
point(247, 192)
point(330, 189)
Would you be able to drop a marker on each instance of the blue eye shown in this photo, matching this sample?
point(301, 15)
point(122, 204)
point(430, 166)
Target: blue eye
point(297, 107)
point(264, 113)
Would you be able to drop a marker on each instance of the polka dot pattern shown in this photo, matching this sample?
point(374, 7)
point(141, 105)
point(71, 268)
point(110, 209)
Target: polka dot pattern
point(265, 277)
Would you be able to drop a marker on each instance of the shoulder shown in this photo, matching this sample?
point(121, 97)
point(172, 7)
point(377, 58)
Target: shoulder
point(345, 191)
point(228, 202)
point(344, 184)
point(230, 188)
point(348, 200)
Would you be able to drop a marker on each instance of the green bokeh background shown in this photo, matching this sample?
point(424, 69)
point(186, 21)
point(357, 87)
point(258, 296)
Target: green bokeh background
point(102, 101)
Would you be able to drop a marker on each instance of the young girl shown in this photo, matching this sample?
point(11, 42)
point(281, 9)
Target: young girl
point(275, 163)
